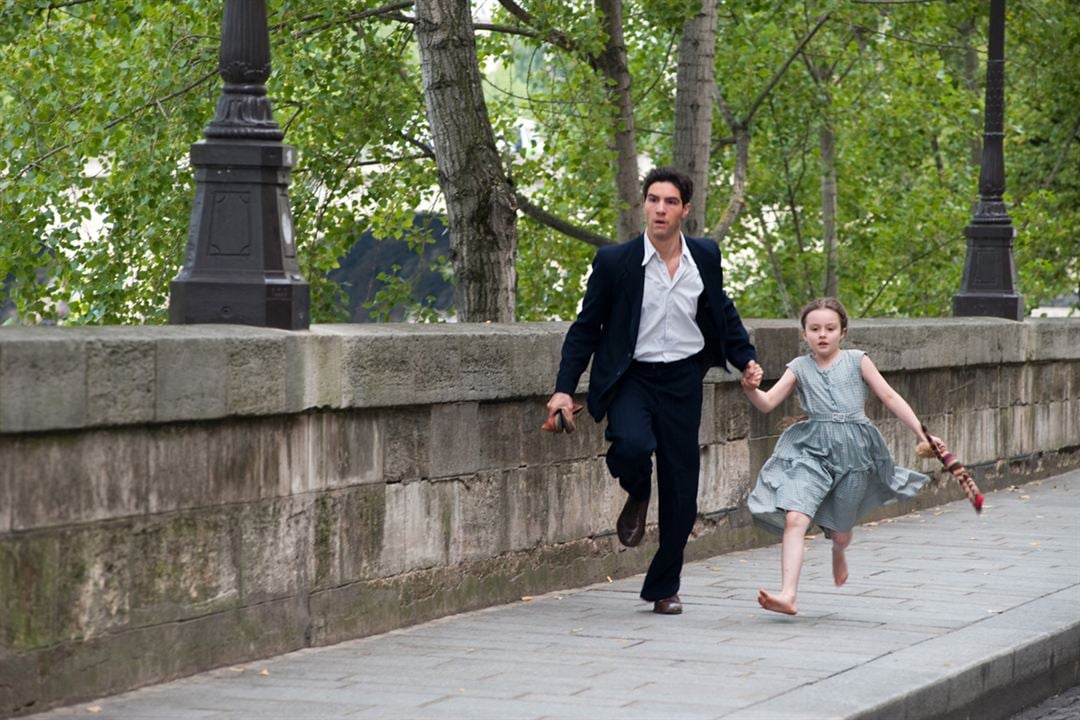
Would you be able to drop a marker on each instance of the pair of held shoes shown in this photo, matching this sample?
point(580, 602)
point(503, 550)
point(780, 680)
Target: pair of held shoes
point(630, 528)
point(562, 421)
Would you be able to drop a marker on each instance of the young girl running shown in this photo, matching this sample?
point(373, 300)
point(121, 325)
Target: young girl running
point(833, 466)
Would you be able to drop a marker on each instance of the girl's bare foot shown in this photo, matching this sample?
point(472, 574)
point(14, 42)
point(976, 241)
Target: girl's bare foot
point(777, 603)
point(839, 566)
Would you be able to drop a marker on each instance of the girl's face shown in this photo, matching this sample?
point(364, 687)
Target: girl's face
point(823, 332)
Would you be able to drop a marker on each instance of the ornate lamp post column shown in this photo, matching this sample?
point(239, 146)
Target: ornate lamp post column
point(989, 284)
point(240, 264)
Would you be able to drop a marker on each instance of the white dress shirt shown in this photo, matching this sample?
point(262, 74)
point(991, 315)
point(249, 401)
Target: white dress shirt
point(668, 330)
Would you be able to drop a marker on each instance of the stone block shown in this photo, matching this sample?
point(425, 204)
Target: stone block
point(392, 555)
point(725, 480)
point(707, 427)
point(454, 441)
point(405, 434)
point(1017, 427)
point(388, 367)
point(1074, 379)
point(1014, 385)
point(970, 388)
point(30, 581)
point(7, 485)
point(192, 378)
point(346, 448)
point(61, 478)
point(929, 392)
point(1053, 339)
point(1072, 423)
point(975, 437)
point(313, 367)
point(529, 504)
point(522, 525)
point(274, 547)
point(731, 413)
point(42, 380)
point(360, 528)
point(69, 585)
point(578, 504)
point(1051, 426)
point(474, 366)
point(1050, 381)
point(898, 344)
point(501, 430)
point(162, 569)
point(480, 529)
point(534, 358)
point(178, 466)
point(402, 364)
point(121, 376)
point(242, 460)
point(430, 514)
point(256, 375)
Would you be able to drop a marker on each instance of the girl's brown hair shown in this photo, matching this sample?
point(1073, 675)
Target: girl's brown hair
point(824, 303)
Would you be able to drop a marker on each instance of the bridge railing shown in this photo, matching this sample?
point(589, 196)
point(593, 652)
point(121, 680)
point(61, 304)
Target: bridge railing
point(179, 498)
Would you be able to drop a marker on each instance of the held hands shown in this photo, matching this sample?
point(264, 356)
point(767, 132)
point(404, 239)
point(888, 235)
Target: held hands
point(752, 376)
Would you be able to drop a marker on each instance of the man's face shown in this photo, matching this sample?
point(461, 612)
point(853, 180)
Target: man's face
point(664, 211)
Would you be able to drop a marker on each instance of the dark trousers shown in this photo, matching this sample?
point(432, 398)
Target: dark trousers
point(657, 410)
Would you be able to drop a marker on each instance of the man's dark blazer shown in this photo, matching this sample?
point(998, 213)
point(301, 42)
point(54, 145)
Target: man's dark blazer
point(606, 329)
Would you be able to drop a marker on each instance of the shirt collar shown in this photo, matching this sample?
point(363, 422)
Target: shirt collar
point(650, 250)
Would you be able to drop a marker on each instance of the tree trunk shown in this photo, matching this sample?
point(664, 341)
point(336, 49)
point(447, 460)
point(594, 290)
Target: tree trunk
point(613, 63)
point(693, 109)
point(480, 203)
point(828, 206)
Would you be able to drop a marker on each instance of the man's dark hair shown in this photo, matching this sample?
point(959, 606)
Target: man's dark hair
point(671, 175)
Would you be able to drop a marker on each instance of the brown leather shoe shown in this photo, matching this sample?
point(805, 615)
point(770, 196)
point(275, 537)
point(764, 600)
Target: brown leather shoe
point(668, 606)
point(631, 523)
point(562, 421)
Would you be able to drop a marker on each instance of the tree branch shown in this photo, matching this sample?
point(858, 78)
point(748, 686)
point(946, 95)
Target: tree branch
point(156, 102)
point(783, 68)
point(738, 186)
point(352, 17)
point(866, 308)
point(59, 5)
point(555, 37)
point(1061, 156)
point(560, 225)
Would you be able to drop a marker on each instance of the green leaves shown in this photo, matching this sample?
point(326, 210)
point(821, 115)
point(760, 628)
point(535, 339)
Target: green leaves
point(99, 103)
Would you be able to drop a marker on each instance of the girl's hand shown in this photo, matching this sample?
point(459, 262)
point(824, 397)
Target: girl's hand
point(752, 376)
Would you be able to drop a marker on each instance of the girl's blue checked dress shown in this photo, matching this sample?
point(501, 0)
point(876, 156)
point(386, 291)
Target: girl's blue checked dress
point(834, 466)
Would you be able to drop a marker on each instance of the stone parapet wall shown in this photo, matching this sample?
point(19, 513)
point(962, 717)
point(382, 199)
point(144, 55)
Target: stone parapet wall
point(179, 498)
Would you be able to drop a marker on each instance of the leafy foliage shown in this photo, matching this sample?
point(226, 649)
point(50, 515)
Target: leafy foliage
point(100, 101)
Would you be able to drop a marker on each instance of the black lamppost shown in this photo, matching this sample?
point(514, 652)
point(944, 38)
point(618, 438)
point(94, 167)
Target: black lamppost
point(240, 263)
point(989, 284)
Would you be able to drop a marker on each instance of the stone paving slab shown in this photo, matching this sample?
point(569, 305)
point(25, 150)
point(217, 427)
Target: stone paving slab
point(947, 613)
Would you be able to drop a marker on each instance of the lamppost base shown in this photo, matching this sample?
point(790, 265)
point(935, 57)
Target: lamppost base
point(262, 301)
point(1010, 307)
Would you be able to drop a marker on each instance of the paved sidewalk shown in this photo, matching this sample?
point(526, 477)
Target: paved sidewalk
point(945, 612)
